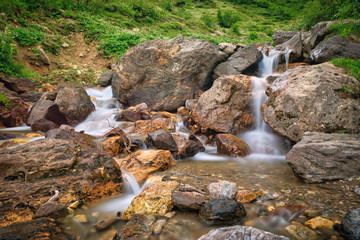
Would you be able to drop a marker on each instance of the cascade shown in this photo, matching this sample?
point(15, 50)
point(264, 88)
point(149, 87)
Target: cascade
point(263, 142)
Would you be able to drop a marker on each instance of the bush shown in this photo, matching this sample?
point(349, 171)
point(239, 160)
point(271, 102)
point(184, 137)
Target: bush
point(351, 65)
point(235, 29)
point(27, 36)
point(118, 44)
point(208, 20)
point(166, 6)
point(253, 36)
point(227, 18)
point(4, 100)
point(7, 52)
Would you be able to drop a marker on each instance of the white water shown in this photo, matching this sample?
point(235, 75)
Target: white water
point(102, 119)
point(262, 141)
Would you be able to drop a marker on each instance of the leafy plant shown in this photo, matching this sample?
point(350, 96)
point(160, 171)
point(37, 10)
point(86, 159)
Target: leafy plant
point(4, 100)
point(227, 18)
point(253, 36)
point(27, 36)
point(208, 20)
point(118, 44)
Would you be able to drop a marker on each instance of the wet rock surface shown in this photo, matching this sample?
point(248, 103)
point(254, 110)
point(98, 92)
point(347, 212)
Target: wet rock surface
point(239, 233)
point(227, 106)
point(320, 157)
point(231, 145)
point(280, 37)
point(139, 227)
point(132, 114)
point(188, 199)
point(294, 44)
point(164, 73)
point(350, 225)
point(222, 211)
point(306, 99)
point(222, 190)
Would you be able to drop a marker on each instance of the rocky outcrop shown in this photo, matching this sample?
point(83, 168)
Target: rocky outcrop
point(222, 211)
point(227, 106)
point(280, 37)
point(335, 47)
point(294, 45)
point(164, 73)
point(13, 109)
point(74, 103)
point(320, 157)
point(132, 114)
point(31, 172)
point(319, 98)
point(231, 145)
point(18, 85)
point(240, 232)
point(142, 163)
point(155, 199)
point(350, 225)
point(239, 62)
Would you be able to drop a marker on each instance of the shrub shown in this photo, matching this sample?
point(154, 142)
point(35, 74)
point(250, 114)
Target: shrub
point(253, 36)
point(235, 29)
point(166, 6)
point(7, 52)
point(227, 18)
point(27, 36)
point(4, 100)
point(118, 44)
point(207, 19)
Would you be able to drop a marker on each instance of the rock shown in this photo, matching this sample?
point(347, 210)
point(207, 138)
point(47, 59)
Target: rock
point(81, 218)
point(187, 147)
point(139, 227)
point(158, 226)
point(307, 98)
point(105, 79)
point(190, 103)
point(43, 56)
point(14, 142)
point(270, 79)
point(74, 205)
point(74, 103)
point(320, 157)
point(231, 145)
point(227, 106)
point(164, 73)
point(311, 213)
point(239, 62)
point(320, 223)
point(335, 47)
point(42, 125)
point(65, 45)
point(106, 221)
point(294, 45)
point(244, 196)
point(19, 85)
point(31, 96)
point(68, 133)
point(288, 212)
point(43, 228)
point(52, 208)
point(114, 145)
point(228, 48)
point(5, 136)
point(147, 126)
point(132, 114)
point(300, 232)
point(188, 200)
point(48, 110)
point(240, 232)
point(32, 170)
point(222, 190)
point(155, 199)
point(162, 139)
point(162, 114)
point(170, 214)
point(222, 211)
point(13, 109)
point(350, 225)
point(357, 190)
point(146, 162)
point(281, 37)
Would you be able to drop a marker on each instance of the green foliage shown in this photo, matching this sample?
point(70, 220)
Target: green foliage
point(351, 65)
point(118, 44)
point(235, 29)
point(171, 26)
point(208, 20)
point(253, 36)
point(166, 6)
point(346, 29)
point(227, 18)
point(7, 51)
point(27, 36)
point(4, 100)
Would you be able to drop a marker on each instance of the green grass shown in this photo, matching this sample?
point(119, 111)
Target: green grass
point(352, 66)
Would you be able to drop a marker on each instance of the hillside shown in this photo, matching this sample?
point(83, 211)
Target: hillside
point(76, 40)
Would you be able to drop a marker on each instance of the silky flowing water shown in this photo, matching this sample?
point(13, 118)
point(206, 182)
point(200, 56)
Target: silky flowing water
point(264, 170)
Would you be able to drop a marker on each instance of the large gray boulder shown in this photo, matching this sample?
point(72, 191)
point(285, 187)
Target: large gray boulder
point(239, 62)
point(335, 47)
point(280, 37)
point(294, 45)
point(319, 98)
point(320, 157)
point(164, 73)
point(227, 106)
point(240, 233)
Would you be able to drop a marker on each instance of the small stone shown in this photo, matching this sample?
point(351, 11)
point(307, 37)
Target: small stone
point(311, 213)
point(81, 55)
point(65, 45)
point(170, 214)
point(320, 223)
point(105, 221)
point(30, 135)
point(222, 189)
point(158, 226)
point(81, 218)
point(74, 204)
point(244, 196)
point(357, 191)
point(300, 232)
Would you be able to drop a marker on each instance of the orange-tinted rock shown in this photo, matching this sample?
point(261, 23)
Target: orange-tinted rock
point(155, 199)
point(142, 163)
point(231, 145)
point(146, 126)
point(187, 147)
point(132, 114)
point(320, 223)
point(113, 145)
point(244, 196)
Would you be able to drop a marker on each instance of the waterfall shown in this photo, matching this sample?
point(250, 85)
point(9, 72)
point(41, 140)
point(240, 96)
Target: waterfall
point(262, 141)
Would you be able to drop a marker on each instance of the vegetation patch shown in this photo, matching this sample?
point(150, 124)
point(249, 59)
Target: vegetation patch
point(352, 66)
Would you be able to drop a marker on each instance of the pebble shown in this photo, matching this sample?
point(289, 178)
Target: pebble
point(105, 221)
point(311, 213)
point(357, 191)
point(170, 214)
point(81, 218)
point(320, 223)
point(300, 232)
point(30, 135)
point(74, 204)
point(158, 226)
